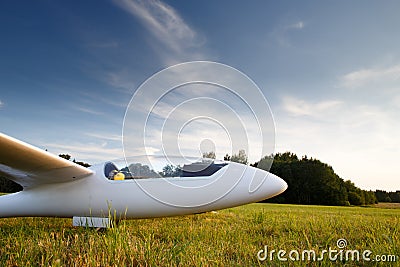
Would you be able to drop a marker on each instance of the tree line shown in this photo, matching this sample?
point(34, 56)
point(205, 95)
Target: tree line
point(384, 196)
point(312, 182)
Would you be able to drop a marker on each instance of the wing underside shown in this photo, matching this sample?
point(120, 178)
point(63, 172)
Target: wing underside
point(31, 166)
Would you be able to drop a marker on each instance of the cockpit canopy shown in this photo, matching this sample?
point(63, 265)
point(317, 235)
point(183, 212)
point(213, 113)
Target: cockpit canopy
point(200, 169)
point(158, 167)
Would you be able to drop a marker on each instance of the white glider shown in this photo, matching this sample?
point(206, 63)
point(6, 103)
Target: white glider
point(55, 187)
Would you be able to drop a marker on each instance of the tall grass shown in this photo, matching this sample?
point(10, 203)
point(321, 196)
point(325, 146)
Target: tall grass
point(230, 237)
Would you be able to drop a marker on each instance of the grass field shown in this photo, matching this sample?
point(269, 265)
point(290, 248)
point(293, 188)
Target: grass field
point(231, 237)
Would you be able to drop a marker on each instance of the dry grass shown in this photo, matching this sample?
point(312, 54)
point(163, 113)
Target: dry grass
point(386, 205)
point(229, 237)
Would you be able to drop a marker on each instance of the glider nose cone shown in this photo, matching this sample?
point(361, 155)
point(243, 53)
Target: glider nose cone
point(281, 185)
point(275, 185)
point(267, 184)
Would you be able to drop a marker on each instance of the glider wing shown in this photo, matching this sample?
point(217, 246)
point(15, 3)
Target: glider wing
point(30, 166)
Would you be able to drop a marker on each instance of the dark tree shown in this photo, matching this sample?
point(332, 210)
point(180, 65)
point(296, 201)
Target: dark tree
point(241, 157)
point(8, 186)
point(209, 155)
point(84, 164)
point(68, 157)
point(171, 171)
point(312, 182)
point(65, 156)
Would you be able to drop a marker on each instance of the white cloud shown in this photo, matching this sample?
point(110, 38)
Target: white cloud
point(1, 104)
point(89, 152)
point(396, 101)
point(198, 107)
point(165, 24)
point(299, 25)
point(299, 107)
point(282, 33)
point(109, 137)
point(118, 100)
point(189, 124)
point(371, 76)
point(122, 80)
point(89, 111)
point(360, 141)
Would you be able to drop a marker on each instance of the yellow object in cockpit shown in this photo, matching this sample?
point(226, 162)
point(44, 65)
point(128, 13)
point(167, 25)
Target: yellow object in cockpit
point(119, 176)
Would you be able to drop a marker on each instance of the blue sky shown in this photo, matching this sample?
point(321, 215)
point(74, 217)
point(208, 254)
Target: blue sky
point(330, 71)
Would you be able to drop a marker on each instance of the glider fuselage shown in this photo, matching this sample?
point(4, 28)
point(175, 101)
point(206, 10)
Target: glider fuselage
point(98, 196)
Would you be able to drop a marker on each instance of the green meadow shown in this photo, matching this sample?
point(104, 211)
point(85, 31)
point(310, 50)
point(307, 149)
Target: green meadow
point(231, 237)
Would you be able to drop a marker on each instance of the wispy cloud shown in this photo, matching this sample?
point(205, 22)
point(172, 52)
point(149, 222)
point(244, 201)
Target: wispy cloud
point(119, 100)
point(109, 137)
point(368, 76)
point(282, 32)
point(357, 132)
point(90, 152)
point(120, 80)
point(299, 25)
point(396, 101)
point(162, 21)
point(89, 111)
point(165, 24)
point(232, 118)
point(299, 107)
point(1, 104)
